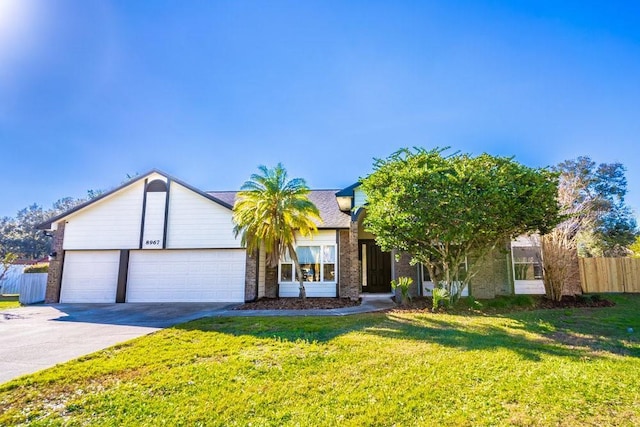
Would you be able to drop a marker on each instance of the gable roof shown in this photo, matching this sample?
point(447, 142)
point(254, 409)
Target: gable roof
point(325, 201)
point(46, 225)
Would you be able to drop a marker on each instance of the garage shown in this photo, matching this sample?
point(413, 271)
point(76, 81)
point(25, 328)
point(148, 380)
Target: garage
point(90, 276)
point(195, 275)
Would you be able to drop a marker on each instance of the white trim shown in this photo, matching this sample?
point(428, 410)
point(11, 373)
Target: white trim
point(525, 287)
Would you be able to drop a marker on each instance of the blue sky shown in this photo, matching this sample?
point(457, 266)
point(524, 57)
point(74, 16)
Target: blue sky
point(208, 90)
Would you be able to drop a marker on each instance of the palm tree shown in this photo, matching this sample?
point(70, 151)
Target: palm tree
point(269, 210)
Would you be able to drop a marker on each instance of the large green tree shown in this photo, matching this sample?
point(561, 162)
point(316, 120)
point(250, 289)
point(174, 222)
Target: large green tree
point(443, 209)
point(269, 210)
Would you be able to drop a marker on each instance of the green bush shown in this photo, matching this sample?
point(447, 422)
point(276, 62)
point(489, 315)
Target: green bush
point(37, 268)
point(440, 298)
point(403, 284)
point(471, 302)
point(523, 301)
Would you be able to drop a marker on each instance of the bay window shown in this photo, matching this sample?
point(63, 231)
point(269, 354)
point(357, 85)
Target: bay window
point(318, 264)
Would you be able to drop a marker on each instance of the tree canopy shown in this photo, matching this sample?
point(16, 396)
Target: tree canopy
point(269, 210)
point(595, 195)
point(443, 209)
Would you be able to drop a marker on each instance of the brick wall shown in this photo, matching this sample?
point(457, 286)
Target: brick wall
point(493, 275)
point(349, 264)
point(251, 276)
point(271, 282)
point(54, 277)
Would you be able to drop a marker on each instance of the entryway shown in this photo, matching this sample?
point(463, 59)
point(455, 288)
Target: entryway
point(376, 267)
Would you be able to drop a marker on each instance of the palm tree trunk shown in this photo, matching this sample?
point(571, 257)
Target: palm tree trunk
point(294, 257)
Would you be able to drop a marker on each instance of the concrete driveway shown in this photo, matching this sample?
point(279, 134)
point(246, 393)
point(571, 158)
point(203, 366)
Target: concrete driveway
point(37, 337)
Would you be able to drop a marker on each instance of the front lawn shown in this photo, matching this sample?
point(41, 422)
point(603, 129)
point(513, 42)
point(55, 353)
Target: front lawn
point(554, 367)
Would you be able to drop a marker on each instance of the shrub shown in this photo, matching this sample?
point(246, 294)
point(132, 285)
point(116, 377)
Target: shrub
point(440, 298)
point(523, 301)
point(471, 302)
point(37, 268)
point(403, 284)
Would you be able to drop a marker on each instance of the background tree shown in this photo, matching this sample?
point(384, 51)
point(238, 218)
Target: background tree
point(20, 235)
point(635, 248)
point(269, 210)
point(597, 222)
point(443, 210)
point(595, 196)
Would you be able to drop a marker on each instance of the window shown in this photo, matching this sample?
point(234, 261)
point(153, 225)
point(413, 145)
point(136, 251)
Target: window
point(462, 269)
point(318, 264)
point(526, 263)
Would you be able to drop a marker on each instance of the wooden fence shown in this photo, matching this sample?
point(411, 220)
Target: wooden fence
point(610, 274)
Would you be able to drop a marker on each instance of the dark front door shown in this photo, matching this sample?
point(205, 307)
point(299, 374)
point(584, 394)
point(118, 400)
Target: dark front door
point(378, 267)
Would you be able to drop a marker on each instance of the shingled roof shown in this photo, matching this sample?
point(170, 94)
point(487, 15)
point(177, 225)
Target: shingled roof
point(325, 200)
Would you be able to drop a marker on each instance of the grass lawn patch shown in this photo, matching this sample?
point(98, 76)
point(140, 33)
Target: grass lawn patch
point(539, 367)
point(9, 301)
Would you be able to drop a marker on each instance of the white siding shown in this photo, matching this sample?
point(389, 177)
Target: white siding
point(111, 223)
point(529, 287)
point(359, 198)
point(154, 220)
point(427, 287)
point(322, 237)
point(313, 289)
point(90, 276)
point(186, 276)
point(196, 222)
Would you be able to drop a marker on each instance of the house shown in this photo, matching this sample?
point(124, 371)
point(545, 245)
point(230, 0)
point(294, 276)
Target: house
point(158, 239)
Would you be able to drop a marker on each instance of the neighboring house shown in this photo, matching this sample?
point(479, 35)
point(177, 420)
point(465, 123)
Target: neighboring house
point(158, 239)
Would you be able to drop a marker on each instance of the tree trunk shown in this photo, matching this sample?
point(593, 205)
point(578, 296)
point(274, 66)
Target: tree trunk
point(294, 257)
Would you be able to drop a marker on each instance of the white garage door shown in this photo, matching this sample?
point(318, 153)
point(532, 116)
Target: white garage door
point(90, 276)
point(211, 275)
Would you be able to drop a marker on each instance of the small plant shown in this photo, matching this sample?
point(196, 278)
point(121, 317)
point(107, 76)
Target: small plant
point(403, 284)
point(472, 303)
point(440, 298)
point(37, 268)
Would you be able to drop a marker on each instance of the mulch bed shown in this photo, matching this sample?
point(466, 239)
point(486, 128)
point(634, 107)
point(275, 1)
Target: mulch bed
point(298, 304)
point(575, 302)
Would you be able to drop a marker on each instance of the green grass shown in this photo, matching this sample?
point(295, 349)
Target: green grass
point(554, 367)
point(9, 301)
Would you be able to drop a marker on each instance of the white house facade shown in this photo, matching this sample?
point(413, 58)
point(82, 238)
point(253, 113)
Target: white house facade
point(158, 239)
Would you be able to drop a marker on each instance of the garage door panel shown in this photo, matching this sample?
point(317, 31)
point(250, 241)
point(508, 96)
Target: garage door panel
point(215, 275)
point(90, 276)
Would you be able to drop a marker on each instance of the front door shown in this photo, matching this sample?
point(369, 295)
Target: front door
point(376, 267)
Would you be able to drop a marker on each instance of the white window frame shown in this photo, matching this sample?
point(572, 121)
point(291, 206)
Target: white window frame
point(428, 285)
point(322, 264)
point(532, 286)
